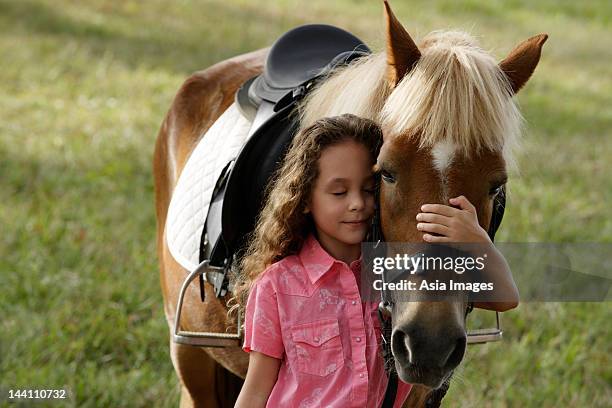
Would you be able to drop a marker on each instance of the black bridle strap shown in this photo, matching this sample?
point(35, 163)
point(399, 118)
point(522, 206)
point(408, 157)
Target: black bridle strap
point(376, 235)
point(391, 391)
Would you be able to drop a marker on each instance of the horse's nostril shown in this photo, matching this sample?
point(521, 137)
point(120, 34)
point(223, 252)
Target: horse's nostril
point(455, 357)
point(401, 346)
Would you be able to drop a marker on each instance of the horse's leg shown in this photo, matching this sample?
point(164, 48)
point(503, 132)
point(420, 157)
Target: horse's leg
point(205, 384)
point(199, 102)
point(204, 381)
point(196, 377)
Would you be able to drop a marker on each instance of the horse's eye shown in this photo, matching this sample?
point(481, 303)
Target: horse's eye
point(387, 177)
point(495, 191)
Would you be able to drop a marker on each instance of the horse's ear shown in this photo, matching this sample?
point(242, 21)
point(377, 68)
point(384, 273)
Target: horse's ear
point(402, 52)
point(522, 61)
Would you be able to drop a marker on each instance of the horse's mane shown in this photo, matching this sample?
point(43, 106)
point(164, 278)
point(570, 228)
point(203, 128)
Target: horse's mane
point(359, 88)
point(455, 93)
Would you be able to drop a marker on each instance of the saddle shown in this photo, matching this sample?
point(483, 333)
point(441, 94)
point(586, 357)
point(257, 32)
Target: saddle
point(296, 61)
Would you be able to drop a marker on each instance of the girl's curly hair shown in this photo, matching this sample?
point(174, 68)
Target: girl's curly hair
point(282, 226)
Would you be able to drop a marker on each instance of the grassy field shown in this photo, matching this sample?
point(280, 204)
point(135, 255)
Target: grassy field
point(84, 86)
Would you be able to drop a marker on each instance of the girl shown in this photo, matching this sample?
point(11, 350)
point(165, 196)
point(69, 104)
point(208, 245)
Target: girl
point(312, 342)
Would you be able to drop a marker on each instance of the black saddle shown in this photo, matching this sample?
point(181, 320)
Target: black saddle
point(296, 61)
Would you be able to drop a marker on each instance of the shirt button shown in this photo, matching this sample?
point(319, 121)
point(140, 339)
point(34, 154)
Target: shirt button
point(354, 302)
point(316, 339)
point(361, 375)
point(358, 339)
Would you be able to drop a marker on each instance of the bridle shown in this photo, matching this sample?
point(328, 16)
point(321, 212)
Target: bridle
point(386, 304)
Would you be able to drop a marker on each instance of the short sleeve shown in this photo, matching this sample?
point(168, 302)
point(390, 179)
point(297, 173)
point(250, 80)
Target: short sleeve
point(262, 331)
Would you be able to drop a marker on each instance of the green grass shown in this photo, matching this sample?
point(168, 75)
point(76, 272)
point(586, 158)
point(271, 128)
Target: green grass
point(84, 87)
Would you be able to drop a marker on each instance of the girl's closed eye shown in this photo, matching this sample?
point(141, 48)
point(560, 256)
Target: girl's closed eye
point(369, 190)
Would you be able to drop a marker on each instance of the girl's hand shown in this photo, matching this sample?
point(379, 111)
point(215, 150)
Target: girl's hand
point(452, 224)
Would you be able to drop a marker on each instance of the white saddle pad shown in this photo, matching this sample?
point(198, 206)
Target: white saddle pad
point(193, 191)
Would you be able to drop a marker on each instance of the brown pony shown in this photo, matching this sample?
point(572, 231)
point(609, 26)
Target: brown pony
point(450, 127)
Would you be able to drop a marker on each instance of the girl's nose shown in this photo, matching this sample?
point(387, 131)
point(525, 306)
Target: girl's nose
point(357, 202)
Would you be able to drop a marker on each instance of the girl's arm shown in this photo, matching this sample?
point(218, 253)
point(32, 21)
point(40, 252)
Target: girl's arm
point(461, 225)
point(260, 379)
point(498, 272)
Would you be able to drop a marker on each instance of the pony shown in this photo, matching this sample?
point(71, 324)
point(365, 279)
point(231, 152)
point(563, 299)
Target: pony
point(451, 127)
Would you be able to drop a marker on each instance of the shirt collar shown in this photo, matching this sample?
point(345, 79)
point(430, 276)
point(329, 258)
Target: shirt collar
point(317, 261)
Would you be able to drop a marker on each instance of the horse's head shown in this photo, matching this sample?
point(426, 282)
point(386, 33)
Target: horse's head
point(450, 125)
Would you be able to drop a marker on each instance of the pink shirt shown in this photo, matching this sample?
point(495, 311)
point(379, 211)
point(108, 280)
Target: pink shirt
point(306, 311)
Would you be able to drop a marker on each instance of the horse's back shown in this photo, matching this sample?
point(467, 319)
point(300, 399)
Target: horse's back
point(200, 101)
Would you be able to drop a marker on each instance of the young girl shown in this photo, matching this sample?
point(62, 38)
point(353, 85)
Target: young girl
point(312, 342)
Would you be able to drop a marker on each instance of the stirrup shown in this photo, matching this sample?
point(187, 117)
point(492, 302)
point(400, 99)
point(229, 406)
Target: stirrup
point(202, 339)
point(480, 336)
